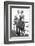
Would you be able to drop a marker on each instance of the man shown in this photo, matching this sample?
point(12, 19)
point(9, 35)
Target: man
point(21, 23)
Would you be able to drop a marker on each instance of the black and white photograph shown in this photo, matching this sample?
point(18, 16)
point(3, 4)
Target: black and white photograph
point(19, 22)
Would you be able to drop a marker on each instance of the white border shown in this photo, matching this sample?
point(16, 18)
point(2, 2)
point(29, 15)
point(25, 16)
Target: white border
point(14, 38)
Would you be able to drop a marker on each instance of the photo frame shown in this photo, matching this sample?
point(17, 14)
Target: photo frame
point(22, 14)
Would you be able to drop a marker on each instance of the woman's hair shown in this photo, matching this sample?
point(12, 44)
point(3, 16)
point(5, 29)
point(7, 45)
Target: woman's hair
point(18, 11)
